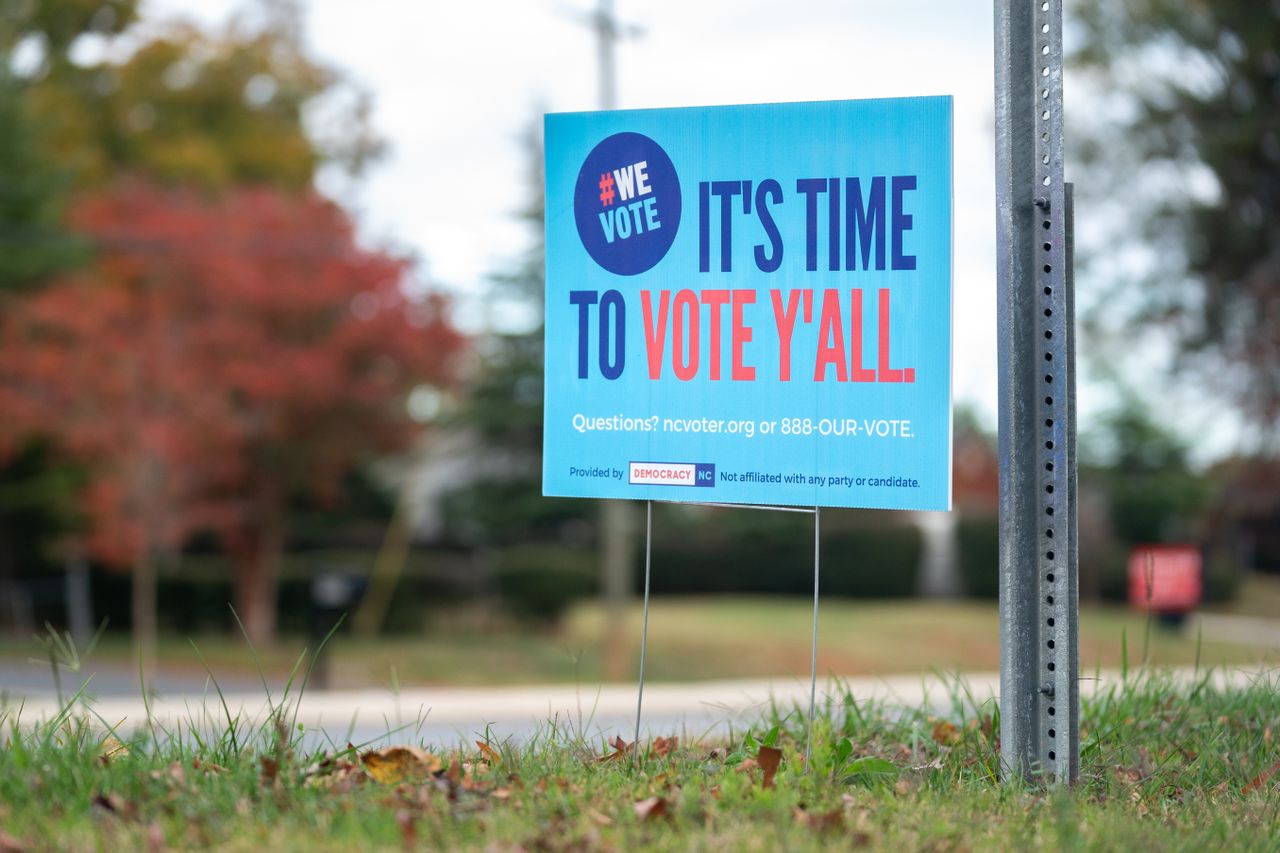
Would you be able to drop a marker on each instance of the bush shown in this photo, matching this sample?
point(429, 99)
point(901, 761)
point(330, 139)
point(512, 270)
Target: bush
point(538, 583)
point(978, 544)
point(767, 553)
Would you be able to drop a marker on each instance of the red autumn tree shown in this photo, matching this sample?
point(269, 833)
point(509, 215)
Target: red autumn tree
point(221, 355)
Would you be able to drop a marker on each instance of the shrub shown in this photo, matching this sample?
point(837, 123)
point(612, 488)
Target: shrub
point(538, 583)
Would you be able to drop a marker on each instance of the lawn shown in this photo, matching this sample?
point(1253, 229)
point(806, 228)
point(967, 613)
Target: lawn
point(1164, 767)
point(689, 639)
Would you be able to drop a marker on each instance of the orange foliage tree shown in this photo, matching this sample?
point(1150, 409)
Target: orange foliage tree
point(221, 354)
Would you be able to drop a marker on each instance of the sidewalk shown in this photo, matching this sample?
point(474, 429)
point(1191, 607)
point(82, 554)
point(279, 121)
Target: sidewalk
point(447, 714)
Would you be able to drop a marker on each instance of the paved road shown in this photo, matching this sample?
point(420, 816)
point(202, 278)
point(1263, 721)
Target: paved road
point(445, 716)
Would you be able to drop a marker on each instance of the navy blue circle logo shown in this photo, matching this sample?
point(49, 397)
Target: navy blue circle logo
point(627, 203)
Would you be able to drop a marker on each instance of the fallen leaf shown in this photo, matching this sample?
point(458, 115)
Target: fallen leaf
point(397, 764)
point(620, 748)
point(1131, 775)
point(155, 838)
point(111, 748)
point(598, 818)
point(651, 809)
point(489, 752)
point(664, 746)
point(207, 767)
point(1262, 778)
point(747, 765)
point(408, 830)
point(822, 821)
point(946, 733)
point(902, 788)
point(116, 805)
point(768, 758)
point(9, 844)
point(174, 772)
point(336, 774)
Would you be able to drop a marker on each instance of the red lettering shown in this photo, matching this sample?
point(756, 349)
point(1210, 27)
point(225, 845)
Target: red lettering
point(717, 299)
point(785, 319)
point(830, 339)
point(686, 302)
point(857, 373)
point(741, 336)
point(887, 373)
point(655, 331)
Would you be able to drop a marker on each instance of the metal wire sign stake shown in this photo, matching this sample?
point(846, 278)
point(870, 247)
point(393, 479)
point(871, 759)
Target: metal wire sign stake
point(644, 623)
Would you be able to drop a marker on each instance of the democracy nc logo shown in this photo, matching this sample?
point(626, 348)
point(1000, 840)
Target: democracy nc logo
point(627, 203)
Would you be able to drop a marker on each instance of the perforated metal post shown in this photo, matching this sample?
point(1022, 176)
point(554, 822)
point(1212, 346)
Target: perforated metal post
point(1039, 593)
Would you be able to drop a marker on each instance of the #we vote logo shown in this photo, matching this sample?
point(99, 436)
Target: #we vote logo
point(626, 203)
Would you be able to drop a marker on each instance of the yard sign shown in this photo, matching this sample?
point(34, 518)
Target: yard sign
point(751, 304)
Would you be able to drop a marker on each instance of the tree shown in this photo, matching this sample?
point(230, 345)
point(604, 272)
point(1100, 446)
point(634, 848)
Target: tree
point(1188, 144)
point(177, 105)
point(220, 355)
point(35, 491)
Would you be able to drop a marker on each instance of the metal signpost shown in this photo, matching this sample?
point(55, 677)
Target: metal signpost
point(750, 307)
point(1039, 592)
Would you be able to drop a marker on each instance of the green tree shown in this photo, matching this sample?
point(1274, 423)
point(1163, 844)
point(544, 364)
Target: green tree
point(1153, 495)
point(1184, 135)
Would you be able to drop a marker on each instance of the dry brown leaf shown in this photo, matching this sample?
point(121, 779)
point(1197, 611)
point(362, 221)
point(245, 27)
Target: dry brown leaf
point(822, 821)
point(747, 765)
point(111, 748)
point(174, 773)
point(1262, 778)
point(408, 829)
point(664, 746)
point(946, 733)
point(768, 758)
point(397, 764)
point(270, 770)
point(599, 819)
point(337, 774)
point(116, 805)
point(155, 838)
point(207, 767)
point(489, 752)
point(620, 749)
point(9, 844)
point(651, 809)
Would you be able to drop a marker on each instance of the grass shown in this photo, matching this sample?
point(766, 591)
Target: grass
point(1164, 766)
point(741, 637)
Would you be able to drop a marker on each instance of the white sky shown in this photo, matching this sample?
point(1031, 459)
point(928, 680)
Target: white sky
point(456, 84)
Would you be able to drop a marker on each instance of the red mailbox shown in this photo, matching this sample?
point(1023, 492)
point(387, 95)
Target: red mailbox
point(1165, 578)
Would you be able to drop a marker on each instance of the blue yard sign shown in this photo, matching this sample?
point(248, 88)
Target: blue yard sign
point(751, 304)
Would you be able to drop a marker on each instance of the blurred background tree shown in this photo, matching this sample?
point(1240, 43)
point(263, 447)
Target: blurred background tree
point(1184, 137)
point(538, 546)
point(201, 335)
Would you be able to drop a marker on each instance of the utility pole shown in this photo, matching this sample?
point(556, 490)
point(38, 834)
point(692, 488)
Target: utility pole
point(617, 517)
